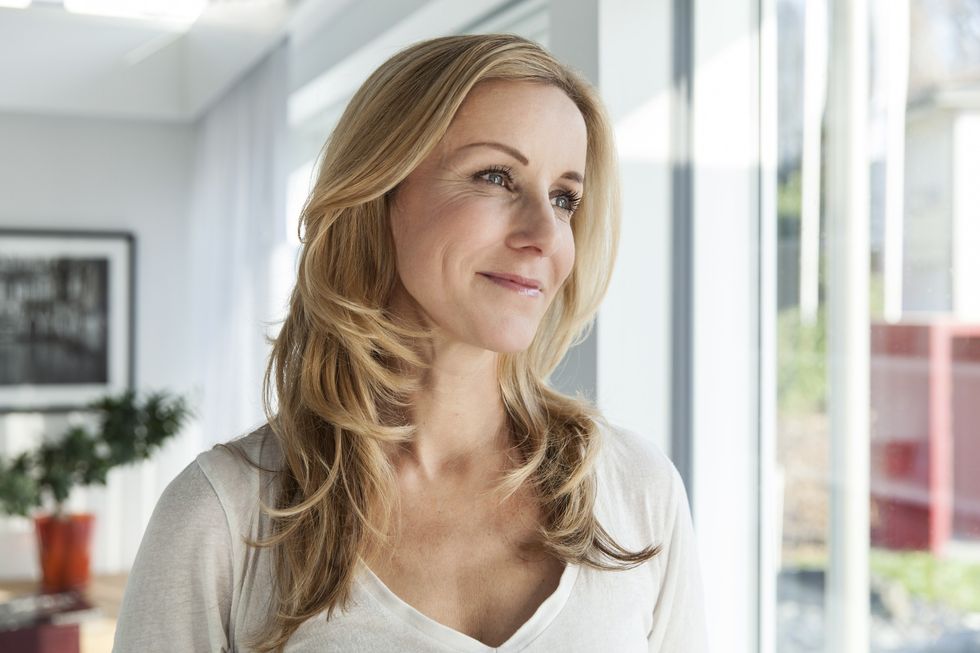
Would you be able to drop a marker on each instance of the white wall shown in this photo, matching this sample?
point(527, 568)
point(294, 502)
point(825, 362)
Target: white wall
point(623, 47)
point(634, 351)
point(348, 29)
point(70, 173)
point(725, 123)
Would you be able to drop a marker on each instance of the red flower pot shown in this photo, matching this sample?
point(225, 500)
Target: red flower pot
point(64, 545)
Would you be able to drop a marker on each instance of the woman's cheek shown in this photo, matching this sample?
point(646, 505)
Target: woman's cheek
point(568, 258)
point(487, 210)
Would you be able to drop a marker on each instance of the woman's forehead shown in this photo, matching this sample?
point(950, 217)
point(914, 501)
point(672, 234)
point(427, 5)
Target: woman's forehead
point(527, 112)
point(517, 97)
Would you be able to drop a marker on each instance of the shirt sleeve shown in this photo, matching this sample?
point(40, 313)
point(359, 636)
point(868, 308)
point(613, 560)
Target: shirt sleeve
point(679, 620)
point(178, 595)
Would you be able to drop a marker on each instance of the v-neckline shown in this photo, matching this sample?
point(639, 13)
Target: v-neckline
point(529, 630)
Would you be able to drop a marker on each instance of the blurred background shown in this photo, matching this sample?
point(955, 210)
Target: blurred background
point(794, 319)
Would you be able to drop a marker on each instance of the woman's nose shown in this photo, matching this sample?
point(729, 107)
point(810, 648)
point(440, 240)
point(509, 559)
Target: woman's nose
point(535, 226)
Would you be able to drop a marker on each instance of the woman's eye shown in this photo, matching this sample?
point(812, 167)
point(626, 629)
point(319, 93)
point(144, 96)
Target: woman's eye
point(567, 202)
point(497, 177)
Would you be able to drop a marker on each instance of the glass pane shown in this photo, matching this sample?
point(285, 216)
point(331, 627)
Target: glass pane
point(923, 173)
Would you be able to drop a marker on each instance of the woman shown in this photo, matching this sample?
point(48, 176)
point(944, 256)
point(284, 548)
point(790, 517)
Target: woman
point(419, 486)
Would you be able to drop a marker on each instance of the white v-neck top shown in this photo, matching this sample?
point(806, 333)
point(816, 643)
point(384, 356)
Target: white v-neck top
point(455, 640)
point(196, 586)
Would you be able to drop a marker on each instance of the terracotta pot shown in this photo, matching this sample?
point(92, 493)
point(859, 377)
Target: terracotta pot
point(64, 545)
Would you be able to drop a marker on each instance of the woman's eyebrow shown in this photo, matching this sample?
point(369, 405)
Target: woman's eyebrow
point(507, 149)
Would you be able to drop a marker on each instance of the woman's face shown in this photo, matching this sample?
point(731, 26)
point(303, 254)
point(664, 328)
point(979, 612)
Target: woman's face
point(493, 200)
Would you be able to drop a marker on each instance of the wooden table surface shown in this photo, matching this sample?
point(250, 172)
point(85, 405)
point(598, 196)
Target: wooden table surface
point(105, 591)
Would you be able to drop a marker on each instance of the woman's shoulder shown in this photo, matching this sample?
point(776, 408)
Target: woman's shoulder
point(632, 458)
point(637, 482)
point(238, 469)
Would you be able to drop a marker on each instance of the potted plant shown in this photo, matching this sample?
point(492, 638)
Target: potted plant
point(129, 430)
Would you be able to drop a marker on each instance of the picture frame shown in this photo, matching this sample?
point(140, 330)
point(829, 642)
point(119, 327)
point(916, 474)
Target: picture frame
point(66, 318)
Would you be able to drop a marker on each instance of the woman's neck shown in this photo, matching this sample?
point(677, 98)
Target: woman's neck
point(460, 418)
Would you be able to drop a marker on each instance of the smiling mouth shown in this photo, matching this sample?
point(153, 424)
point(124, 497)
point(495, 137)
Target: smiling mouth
point(528, 288)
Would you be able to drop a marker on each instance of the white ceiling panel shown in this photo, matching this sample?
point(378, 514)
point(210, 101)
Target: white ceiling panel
point(55, 62)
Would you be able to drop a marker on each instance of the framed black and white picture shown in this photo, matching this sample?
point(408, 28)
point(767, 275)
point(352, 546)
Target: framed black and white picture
point(66, 318)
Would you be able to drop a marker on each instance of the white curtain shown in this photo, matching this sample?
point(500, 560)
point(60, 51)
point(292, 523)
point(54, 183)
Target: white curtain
point(237, 234)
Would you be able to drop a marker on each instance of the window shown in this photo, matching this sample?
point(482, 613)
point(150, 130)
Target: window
point(878, 327)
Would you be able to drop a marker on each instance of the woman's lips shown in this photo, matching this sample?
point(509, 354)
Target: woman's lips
point(521, 289)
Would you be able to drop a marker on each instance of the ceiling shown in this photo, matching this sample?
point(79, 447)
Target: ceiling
point(56, 62)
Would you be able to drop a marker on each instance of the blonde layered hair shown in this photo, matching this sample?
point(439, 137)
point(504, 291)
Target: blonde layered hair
point(343, 368)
